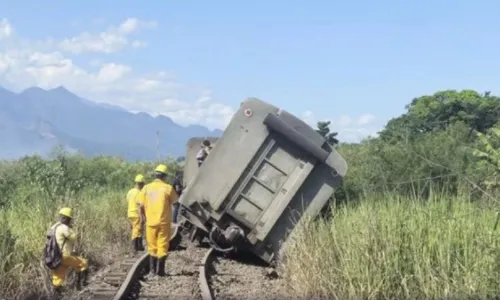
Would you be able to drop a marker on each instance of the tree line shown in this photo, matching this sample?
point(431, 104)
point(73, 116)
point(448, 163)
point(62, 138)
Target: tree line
point(444, 142)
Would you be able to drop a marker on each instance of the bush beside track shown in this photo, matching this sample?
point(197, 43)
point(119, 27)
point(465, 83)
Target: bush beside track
point(417, 215)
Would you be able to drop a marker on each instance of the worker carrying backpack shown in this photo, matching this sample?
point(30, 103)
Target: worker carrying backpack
point(52, 252)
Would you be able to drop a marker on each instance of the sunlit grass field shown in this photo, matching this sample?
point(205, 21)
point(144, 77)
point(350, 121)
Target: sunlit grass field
point(398, 248)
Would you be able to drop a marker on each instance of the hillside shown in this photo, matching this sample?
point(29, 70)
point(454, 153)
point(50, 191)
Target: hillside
point(36, 120)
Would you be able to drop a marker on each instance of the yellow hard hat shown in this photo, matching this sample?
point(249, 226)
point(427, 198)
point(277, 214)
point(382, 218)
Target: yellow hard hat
point(139, 178)
point(67, 212)
point(161, 169)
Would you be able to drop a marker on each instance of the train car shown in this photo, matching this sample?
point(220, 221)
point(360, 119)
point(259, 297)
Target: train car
point(268, 169)
point(190, 163)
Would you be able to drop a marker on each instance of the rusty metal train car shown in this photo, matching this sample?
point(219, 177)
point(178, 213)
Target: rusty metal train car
point(268, 169)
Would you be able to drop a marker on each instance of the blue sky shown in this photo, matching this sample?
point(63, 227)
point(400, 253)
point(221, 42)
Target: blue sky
point(340, 61)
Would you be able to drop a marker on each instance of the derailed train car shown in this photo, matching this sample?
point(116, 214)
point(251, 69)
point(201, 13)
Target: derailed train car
point(268, 169)
point(191, 164)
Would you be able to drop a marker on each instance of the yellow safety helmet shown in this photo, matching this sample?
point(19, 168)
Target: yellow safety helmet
point(139, 178)
point(67, 212)
point(161, 169)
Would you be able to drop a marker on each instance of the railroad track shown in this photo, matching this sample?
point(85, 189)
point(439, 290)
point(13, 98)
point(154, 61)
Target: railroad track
point(235, 276)
point(187, 267)
point(194, 271)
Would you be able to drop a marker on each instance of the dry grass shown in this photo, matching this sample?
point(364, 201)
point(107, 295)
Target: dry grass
point(395, 248)
point(100, 221)
point(32, 190)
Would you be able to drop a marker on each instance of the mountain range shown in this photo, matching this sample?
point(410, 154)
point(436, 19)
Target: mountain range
point(35, 120)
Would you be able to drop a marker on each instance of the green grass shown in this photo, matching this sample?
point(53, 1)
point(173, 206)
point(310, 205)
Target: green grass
point(100, 221)
point(381, 247)
point(394, 248)
point(32, 190)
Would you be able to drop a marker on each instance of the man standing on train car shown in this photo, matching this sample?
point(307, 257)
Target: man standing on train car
point(155, 200)
point(206, 147)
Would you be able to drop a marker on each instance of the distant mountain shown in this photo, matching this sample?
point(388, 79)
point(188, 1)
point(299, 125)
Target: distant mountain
point(36, 120)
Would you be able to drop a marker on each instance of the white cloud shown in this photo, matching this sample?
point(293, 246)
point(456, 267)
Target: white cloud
point(114, 39)
point(344, 120)
point(138, 44)
point(205, 109)
point(6, 29)
point(49, 63)
point(45, 63)
point(308, 117)
point(112, 72)
point(133, 24)
point(366, 119)
point(348, 130)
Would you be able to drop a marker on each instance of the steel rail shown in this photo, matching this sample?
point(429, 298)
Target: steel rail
point(206, 263)
point(141, 264)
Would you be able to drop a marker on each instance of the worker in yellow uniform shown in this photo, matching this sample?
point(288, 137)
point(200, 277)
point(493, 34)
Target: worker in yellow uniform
point(65, 237)
point(133, 214)
point(156, 199)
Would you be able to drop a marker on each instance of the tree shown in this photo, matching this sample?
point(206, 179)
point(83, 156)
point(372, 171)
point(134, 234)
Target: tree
point(489, 155)
point(442, 109)
point(324, 130)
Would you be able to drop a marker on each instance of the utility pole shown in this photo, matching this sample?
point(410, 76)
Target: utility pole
point(158, 145)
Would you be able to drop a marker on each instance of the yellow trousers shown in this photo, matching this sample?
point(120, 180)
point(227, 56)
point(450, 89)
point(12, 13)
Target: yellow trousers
point(136, 227)
point(76, 263)
point(158, 239)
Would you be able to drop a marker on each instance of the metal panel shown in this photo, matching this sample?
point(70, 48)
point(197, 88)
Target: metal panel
point(270, 184)
point(288, 190)
point(252, 193)
point(309, 199)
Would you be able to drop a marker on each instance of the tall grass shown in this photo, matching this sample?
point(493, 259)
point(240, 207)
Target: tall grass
point(32, 190)
point(99, 222)
point(397, 248)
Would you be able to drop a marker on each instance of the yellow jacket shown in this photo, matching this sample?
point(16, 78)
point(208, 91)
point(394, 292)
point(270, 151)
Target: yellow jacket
point(157, 198)
point(65, 237)
point(133, 205)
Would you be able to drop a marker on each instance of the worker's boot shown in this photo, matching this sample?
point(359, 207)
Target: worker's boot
point(161, 266)
point(133, 249)
point(153, 264)
point(58, 293)
point(136, 244)
point(78, 281)
point(140, 246)
point(85, 278)
point(82, 278)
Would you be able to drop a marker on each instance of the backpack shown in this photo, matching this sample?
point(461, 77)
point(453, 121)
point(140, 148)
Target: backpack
point(52, 252)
